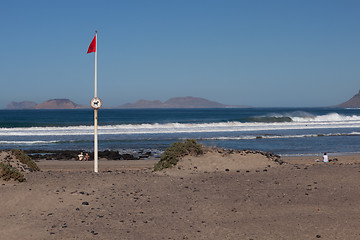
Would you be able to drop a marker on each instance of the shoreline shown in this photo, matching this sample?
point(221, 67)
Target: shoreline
point(108, 164)
point(146, 155)
point(335, 154)
point(141, 154)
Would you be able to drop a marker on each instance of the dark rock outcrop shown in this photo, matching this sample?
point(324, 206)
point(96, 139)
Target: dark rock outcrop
point(73, 155)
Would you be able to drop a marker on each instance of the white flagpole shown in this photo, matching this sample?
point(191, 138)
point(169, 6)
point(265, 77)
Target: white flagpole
point(96, 161)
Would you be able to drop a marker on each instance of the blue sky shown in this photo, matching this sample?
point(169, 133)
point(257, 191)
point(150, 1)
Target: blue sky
point(260, 53)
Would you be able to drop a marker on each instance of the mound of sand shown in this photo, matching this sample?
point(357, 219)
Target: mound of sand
point(7, 157)
point(220, 160)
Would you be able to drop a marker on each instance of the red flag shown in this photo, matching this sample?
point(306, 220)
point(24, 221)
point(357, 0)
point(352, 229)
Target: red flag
point(92, 47)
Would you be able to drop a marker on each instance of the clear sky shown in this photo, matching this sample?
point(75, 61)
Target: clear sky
point(278, 53)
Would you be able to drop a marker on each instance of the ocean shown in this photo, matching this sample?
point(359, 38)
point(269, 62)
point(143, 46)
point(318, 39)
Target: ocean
point(283, 131)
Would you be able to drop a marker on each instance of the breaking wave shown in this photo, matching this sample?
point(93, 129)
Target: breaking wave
point(300, 116)
point(248, 137)
point(329, 121)
point(27, 142)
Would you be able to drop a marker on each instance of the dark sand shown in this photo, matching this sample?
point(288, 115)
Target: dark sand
point(126, 200)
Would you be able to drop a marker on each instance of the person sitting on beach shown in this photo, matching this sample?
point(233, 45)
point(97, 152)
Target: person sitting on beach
point(325, 158)
point(81, 156)
point(86, 158)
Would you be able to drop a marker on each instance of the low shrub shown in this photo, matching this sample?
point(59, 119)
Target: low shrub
point(25, 159)
point(177, 150)
point(7, 172)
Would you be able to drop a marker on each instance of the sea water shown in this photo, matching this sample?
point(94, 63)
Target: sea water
point(284, 131)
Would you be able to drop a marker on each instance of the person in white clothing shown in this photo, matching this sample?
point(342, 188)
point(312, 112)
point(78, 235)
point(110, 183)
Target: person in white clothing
point(81, 156)
point(325, 158)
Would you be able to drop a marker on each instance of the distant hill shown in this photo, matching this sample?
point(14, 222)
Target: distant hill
point(353, 102)
point(59, 104)
point(21, 105)
point(193, 102)
point(179, 102)
point(50, 104)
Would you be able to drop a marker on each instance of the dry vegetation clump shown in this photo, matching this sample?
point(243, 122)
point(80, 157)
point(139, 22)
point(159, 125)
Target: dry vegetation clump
point(177, 150)
point(25, 159)
point(7, 172)
point(14, 163)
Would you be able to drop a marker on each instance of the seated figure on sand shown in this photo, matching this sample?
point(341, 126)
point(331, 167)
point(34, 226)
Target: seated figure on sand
point(81, 156)
point(325, 158)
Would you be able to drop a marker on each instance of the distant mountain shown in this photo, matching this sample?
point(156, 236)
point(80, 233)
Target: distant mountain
point(193, 102)
point(50, 104)
point(21, 105)
point(143, 104)
point(59, 104)
point(179, 102)
point(353, 102)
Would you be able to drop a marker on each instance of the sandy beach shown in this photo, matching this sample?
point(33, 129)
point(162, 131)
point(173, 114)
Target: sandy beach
point(249, 197)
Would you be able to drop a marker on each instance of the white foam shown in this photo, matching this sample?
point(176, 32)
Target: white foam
point(26, 142)
point(247, 137)
point(315, 123)
point(331, 117)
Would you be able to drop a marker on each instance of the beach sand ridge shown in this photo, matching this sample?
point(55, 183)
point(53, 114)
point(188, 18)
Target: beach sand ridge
point(127, 200)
